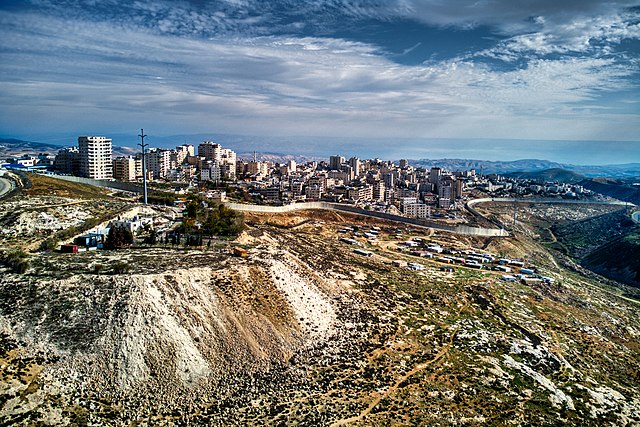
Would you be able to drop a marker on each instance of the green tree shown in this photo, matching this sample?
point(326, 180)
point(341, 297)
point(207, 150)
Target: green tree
point(118, 237)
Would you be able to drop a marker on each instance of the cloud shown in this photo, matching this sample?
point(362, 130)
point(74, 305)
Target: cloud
point(149, 63)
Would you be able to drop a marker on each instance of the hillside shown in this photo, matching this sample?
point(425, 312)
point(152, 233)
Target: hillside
point(549, 175)
point(306, 331)
point(619, 259)
point(612, 188)
point(15, 147)
point(529, 165)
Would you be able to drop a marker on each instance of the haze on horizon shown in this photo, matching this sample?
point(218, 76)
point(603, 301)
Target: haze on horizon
point(391, 76)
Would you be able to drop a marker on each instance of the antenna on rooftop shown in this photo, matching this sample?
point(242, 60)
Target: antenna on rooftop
point(143, 146)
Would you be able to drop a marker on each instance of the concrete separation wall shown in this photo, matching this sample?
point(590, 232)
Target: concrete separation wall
point(458, 229)
point(473, 202)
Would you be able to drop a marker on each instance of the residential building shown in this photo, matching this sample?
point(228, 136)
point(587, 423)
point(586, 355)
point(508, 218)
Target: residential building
point(158, 162)
point(95, 157)
point(124, 168)
point(416, 210)
point(209, 150)
point(68, 161)
point(335, 162)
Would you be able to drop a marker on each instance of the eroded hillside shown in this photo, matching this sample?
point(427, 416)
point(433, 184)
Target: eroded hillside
point(306, 331)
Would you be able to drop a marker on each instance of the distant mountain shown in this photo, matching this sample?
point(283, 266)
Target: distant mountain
point(10, 147)
point(549, 175)
point(528, 165)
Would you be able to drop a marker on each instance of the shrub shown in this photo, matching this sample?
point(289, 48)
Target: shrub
point(17, 261)
point(121, 267)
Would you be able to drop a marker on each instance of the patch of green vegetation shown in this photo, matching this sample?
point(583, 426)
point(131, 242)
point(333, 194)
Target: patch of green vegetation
point(217, 220)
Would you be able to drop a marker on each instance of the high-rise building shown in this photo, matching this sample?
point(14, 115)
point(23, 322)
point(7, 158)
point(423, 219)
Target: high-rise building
point(389, 180)
point(67, 161)
point(356, 165)
point(434, 177)
point(335, 162)
point(209, 150)
point(378, 191)
point(158, 162)
point(181, 152)
point(95, 157)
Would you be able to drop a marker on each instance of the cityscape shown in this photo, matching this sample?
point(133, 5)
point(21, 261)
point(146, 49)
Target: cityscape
point(319, 213)
point(373, 184)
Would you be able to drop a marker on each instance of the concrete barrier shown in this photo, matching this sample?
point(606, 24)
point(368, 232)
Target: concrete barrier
point(458, 229)
point(538, 200)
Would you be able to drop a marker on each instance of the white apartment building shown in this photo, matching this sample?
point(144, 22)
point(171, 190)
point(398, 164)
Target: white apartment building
point(416, 210)
point(212, 173)
point(95, 157)
point(158, 162)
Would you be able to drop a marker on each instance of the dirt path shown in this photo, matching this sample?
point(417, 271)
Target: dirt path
point(394, 387)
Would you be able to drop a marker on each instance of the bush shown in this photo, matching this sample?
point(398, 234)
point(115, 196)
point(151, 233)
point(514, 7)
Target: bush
point(121, 267)
point(17, 261)
point(223, 221)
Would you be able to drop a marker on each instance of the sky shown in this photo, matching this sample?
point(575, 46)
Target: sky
point(387, 76)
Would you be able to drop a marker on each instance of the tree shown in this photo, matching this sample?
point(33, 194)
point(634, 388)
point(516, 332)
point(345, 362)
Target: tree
point(223, 221)
point(151, 238)
point(118, 237)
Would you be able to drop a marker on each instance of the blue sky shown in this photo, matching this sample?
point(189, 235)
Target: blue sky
point(401, 73)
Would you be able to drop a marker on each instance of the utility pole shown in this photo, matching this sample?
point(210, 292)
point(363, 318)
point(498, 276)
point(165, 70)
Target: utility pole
point(144, 164)
point(515, 212)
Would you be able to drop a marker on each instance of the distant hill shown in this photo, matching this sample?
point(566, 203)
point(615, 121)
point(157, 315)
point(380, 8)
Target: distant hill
point(615, 189)
point(618, 259)
point(10, 147)
point(487, 166)
point(555, 174)
point(528, 165)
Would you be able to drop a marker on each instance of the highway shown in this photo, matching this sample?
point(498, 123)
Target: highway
point(5, 186)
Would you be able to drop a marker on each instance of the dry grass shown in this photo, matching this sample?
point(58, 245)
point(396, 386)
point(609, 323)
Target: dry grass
point(42, 185)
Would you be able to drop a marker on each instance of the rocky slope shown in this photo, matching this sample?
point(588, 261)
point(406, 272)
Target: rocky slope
point(306, 332)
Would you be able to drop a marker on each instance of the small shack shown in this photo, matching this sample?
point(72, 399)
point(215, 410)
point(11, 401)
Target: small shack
point(69, 249)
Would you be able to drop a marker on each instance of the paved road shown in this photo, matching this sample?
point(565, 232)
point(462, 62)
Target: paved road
point(5, 186)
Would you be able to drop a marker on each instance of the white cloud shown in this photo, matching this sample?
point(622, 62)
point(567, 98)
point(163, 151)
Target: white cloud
point(62, 70)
